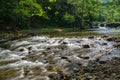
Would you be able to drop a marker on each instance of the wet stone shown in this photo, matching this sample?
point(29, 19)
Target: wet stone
point(46, 52)
point(64, 43)
point(52, 68)
point(54, 76)
point(112, 39)
point(78, 41)
point(29, 48)
point(116, 58)
point(84, 57)
point(50, 60)
point(86, 46)
point(117, 40)
point(83, 50)
point(7, 62)
point(64, 57)
point(91, 37)
point(61, 47)
point(117, 45)
point(71, 66)
point(102, 62)
point(109, 39)
point(48, 48)
point(21, 50)
point(104, 43)
point(29, 53)
point(8, 74)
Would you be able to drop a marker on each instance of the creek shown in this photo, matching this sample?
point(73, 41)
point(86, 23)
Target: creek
point(37, 57)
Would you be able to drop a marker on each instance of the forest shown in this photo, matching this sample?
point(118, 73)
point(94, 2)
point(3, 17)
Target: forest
point(80, 14)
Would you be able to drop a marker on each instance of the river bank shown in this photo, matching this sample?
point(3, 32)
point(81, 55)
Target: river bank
point(51, 32)
point(56, 32)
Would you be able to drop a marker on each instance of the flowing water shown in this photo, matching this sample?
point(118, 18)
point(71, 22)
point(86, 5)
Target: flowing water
point(105, 29)
point(35, 58)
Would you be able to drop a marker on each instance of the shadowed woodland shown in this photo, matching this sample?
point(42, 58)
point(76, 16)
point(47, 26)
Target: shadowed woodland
point(81, 14)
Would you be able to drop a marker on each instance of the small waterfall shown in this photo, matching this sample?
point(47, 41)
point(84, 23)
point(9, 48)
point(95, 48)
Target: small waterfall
point(104, 27)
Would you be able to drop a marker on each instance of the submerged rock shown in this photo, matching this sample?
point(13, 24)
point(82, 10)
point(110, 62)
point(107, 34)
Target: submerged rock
point(84, 57)
point(64, 43)
point(117, 45)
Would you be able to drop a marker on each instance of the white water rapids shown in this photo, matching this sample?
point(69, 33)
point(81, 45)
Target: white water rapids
point(33, 56)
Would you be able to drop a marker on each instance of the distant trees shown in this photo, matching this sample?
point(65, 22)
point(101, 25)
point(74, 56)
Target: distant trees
point(74, 13)
point(57, 12)
point(85, 12)
point(16, 13)
point(110, 11)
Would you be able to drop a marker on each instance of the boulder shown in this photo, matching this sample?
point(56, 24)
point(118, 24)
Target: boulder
point(91, 37)
point(117, 45)
point(64, 57)
point(109, 39)
point(86, 46)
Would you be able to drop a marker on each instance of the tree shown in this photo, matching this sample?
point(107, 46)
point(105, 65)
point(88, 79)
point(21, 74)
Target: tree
point(85, 12)
point(77, 13)
point(110, 11)
point(18, 12)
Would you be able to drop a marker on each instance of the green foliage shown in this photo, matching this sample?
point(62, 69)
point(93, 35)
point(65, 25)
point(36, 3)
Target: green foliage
point(68, 18)
point(110, 11)
point(52, 0)
point(18, 12)
point(30, 8)
point(76, 13)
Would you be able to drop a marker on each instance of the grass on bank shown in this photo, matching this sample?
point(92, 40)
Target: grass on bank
point(52, 32)
point(60, 32)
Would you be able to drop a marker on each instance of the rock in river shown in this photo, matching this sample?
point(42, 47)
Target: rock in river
point(117, 45)
point(91, 37)
point(86, 46)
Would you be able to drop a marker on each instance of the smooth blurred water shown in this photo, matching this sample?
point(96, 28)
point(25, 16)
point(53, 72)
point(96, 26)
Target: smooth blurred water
point(106, 30)
point(65, 53)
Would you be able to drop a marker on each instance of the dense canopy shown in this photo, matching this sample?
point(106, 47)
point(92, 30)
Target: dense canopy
point(62, 13)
